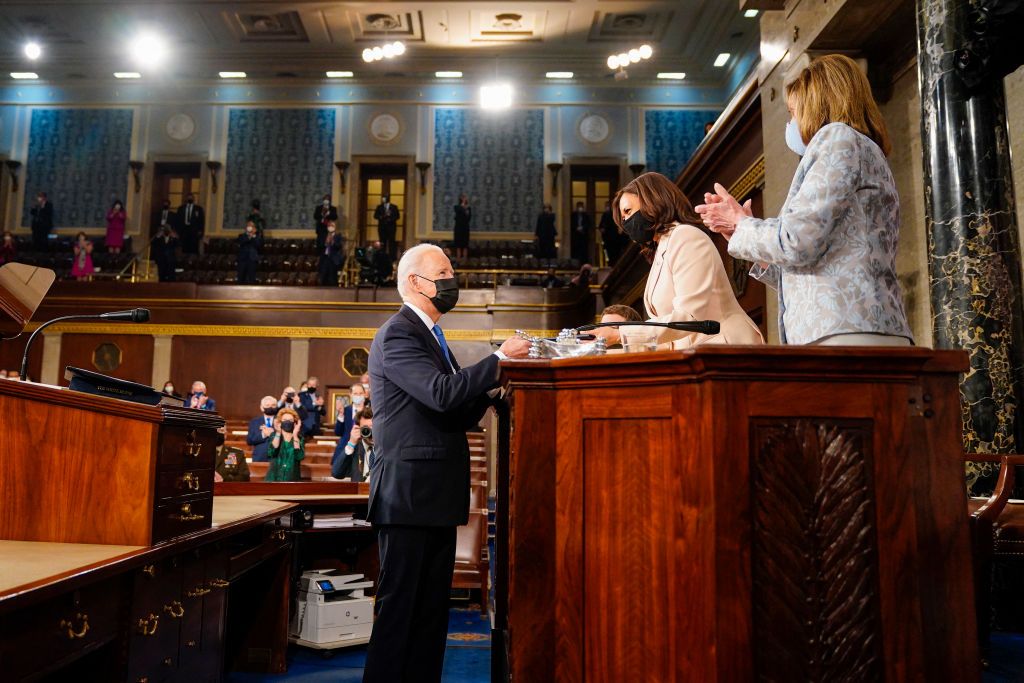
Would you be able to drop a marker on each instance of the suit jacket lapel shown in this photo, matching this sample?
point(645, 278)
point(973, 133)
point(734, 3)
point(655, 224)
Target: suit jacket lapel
point(428, 338)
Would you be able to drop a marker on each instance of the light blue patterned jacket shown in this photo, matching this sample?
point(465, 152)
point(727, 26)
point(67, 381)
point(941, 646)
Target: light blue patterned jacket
point(831, 254)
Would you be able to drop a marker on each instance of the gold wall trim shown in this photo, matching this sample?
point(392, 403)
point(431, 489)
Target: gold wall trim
point(393, 306)
point(752, 178)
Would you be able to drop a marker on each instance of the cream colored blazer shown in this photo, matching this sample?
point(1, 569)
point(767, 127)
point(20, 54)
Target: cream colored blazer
point(688, 282)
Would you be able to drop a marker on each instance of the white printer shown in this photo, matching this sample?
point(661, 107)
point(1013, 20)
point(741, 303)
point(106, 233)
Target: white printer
point(332, 611)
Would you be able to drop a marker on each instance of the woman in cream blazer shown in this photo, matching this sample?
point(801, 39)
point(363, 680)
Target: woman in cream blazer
point(687, 280)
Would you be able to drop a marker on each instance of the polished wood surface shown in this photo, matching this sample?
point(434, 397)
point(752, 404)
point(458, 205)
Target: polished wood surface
point(136, 361)
point(732, 513)
point(12, 350)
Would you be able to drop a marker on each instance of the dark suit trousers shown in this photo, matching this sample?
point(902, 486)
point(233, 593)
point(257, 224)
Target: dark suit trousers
point(411, 628)
point(328, 271)
point(246, 272)
point(39, 238)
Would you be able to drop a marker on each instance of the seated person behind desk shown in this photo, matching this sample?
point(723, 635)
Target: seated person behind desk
point(199, 398)
point(617, 313)
point(261, 429)
point(286, 451)
point(357, 460)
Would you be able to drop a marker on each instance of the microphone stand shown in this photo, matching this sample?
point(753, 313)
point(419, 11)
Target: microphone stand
point(138, 255)
point(135, 315)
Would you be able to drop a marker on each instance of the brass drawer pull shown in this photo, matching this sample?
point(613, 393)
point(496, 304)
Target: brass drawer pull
point(175, 609)
point(73, 632)
point(218, 583)
point(278, 534)
point(192, 446)
point(148, 625)
point(149, 570)
point(187, 515)
point(198, 592)
point(191, 643)
point(189, 480)
point(168, 661)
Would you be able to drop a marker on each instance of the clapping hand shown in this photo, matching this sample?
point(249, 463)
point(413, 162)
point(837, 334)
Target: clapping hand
point(721, 212)
point(266, 431)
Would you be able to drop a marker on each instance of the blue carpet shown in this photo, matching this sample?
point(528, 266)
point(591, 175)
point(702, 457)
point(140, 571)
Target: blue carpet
point(467, 658)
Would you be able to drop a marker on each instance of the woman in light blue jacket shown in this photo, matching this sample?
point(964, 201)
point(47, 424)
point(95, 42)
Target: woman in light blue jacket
point(831, 254)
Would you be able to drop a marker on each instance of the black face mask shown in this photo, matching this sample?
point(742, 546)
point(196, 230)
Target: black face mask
point(447, 293)
point(287, 426)
point(639, 229)
point(270, 411)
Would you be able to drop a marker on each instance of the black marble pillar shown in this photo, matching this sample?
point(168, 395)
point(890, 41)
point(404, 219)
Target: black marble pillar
point(973, 250)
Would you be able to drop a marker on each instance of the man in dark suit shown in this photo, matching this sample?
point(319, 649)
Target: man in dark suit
point(163, 216)
point(386, 214)
point(357, 454)
point(261, 429)
point(322, 215)
point(250, 244)
point(191, 225)
point(423, 403)
point(580, 227)
point(164, 252)
point(346, 418)
point(42, 222)
point(198, 398)
point(332, 256)
point(313, 404)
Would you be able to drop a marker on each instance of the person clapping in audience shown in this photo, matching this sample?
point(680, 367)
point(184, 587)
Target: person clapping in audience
point(545, 233)
point(324, 214)
point(346, 417)
point(286, 449)
point(357, 458)
point(199, 398)
point(332, 256)
point(117, 217)
point(8, 249)
point(165, 253)
point(249, 245)
point(261, 428)
point(290, 399)
point(81, 267)
point(313, 405)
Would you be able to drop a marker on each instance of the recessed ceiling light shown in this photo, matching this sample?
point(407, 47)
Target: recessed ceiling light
point(671, 75)
point(448, 74)
point(339, 74)
point(232, 74)
point(33, 50)
point(127, 74)
point(148, 49)
point(496, 96)
point(722, 59)
point(750, 13)
point(558, 74)
point(24, 75)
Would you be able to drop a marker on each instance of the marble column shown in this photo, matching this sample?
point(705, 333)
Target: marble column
point(973, 250)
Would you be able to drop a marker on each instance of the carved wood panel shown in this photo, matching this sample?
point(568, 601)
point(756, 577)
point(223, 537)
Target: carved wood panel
point(816, 611)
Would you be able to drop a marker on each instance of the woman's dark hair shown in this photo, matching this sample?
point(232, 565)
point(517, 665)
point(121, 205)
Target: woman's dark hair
point(661, 202)
point(116, 202)
point(81, 234)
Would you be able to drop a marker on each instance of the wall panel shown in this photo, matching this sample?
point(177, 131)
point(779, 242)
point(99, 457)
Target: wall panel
point(136, 363)
point(671, 137)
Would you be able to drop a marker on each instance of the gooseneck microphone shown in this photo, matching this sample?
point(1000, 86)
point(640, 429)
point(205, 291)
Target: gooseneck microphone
point(699, 326)
point(135, 315)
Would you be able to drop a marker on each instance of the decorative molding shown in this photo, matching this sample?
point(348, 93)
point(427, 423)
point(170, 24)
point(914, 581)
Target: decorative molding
point(751, 179)
point(593, 128)
point(815, 583)
point(385, 128)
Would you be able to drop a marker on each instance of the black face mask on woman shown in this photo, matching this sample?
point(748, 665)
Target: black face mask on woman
point(639, 229)
point(447, 293)
point(287, 426)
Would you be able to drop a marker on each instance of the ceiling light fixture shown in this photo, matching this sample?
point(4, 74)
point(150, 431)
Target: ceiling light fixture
point(24, 75)
point(631, 56)
point(558, 74)
point(232, 74)
point(722, 59)
point(339, 74)
point(671, 75)
point(127, 74)
point(496, 96)
point(148, 49)
point(750, 13)
point(386, 51)
point(448, 74)
point(32, 50)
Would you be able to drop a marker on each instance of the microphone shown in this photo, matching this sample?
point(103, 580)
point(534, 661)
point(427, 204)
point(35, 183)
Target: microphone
point(135, 315)
point(700, 326)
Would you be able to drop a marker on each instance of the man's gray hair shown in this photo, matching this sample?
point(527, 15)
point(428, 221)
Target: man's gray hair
point(410, 264)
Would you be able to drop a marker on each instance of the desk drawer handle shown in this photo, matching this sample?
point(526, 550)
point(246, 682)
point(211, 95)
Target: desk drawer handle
point(189, 480)
point(278, 534)
point(187, 515)
point(192, 446)
point(218, 583)
point(73, 632)
point(148, 625)
point(175, 609)
point(168, 661)
point(198, 592)
point(149, 570)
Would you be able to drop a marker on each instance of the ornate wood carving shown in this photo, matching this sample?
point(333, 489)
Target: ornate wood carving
point(814, 575)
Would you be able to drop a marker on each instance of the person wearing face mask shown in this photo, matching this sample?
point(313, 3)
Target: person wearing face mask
point(346, 417)
point(8, 248)
point(163, 216)
point(423, 403)
point(332, 257)
point(256, 217)
point(463, 220)
point(169, 388)
point(324, 214)
point(286, 449)
point(580, 227)
point(116, 220)
point(357, 454)
point(261, 429)
point(313, 404)
point(831, 254)
point(191, 225)
point(687, 281)
point(81, 266)
point(42, 222)
point(544, 234)
point(386, 214)
point(249, 246)
point(199, 399)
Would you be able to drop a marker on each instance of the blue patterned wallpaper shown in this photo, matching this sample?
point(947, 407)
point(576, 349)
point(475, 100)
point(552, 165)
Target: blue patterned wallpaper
point(283, 157)
point(79, 157)
point(672, 136)
point(497, 158)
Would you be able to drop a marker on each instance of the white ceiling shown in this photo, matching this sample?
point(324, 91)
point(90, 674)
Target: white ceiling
point(88, 39)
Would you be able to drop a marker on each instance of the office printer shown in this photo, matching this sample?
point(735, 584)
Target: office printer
point(332, 611)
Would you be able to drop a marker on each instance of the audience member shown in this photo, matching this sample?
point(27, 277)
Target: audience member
point(386, 214)
point(332, 256)
point(249, 246)
point(261, 428)
point(708, 125)
point(290, 400)
point(165, 252)
point(8, 248)
point(169, 388)
point(616, 313)
point(191, 225)
point(256, 218)
point(463, 219)
point(313, 404)
point(324, 214)
point(198, 398)
point(345, 416)
point(580, 227)
point(163, 216)
point(285, 450)
point(42, 222)
point(582, 278)
point(357, 459)
point(614, 241)
point(551, 281)
point(117, 217)
point(545, 233)
point(81, 266)
point(364, 379)
point(15, 375)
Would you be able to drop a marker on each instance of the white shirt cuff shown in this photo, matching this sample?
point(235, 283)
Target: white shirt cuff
point(500, 355)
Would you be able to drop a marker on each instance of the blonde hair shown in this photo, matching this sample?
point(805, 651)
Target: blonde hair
point(833, 89)
point(286, 411)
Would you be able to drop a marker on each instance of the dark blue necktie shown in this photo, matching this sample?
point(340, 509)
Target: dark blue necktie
point(444, 344)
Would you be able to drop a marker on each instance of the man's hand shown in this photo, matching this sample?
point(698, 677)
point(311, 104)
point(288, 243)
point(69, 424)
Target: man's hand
point(266, 431)
point(516, 347)
point(319, 400)
point(356, 435)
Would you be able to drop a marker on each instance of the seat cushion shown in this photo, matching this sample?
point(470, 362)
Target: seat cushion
point(1009, 529)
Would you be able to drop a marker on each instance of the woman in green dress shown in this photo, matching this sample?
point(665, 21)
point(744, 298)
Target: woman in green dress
point(286, 447)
